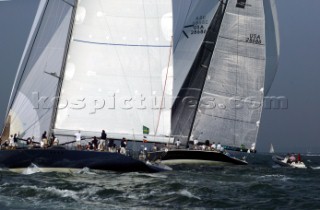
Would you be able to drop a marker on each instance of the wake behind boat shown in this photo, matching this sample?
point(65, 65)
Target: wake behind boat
point(58, 158)
point(285, 162)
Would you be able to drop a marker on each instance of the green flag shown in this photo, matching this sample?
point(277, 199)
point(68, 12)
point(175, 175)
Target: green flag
point(145, 130)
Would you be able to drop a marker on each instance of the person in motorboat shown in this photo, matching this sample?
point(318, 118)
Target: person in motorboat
point(299, 158)
point(292, 158)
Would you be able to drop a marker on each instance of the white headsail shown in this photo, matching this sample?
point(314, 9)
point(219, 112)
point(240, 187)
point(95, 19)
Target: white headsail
point(119, 70)
point(36, 83)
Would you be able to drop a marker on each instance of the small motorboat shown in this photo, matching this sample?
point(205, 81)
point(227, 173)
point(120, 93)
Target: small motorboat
point(285, 162)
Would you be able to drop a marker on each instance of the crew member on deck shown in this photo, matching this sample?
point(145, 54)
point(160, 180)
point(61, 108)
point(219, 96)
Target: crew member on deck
point(213, 146)
point(95, 143)
point(195, 144)
point(111, 145)
point(123, 146)
point(11, 142)
point(78, 140)
point(45, 140)
point(103, 140)
point(178, 142)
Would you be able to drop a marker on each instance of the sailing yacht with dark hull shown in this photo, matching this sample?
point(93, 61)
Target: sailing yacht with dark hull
point(70, 48)
point(186, 156)
point(61, 159)
point(230, 74)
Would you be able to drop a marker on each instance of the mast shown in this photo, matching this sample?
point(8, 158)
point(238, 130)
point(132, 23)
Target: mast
point(63, 67)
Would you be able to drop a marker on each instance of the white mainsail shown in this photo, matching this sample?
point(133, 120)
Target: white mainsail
point(30, 107)
point(119, 70)
point(231, 98)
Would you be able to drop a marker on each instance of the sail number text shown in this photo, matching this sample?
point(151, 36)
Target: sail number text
point(254, 39)
point(198, 25)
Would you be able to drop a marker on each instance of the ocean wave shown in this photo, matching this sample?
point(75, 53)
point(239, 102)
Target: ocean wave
point(274, 177)
point(53, 190)
point(188, 194)
point(155, 175)
point(86, 170)
point(315, 167)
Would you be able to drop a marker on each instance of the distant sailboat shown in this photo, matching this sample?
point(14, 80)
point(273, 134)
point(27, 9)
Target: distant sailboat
point(271, 149)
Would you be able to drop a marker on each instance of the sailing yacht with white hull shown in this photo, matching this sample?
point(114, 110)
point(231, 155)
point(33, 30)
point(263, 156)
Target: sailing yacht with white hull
point(80, 54)
point(221, 98)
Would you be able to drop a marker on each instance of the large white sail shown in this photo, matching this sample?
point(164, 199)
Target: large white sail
point(6, 94)
point(119, 70)
point(232, 97)
point(31, 104)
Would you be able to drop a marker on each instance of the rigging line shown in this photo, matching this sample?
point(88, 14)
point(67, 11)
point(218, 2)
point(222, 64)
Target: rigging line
point(164, 88)
point(148, 60)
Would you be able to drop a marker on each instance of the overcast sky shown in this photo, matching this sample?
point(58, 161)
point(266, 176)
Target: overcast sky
point(295, 129)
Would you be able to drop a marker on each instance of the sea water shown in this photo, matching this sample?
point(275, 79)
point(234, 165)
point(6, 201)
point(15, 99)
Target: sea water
point(260, 185)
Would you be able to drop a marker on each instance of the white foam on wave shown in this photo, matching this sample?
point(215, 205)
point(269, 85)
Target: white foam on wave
point(315, 167)
point(53, 190)
point(33, 168)
point(156, 175)
point(62, 193)
point(85, 170)
point(188, 194)
point(274, 177)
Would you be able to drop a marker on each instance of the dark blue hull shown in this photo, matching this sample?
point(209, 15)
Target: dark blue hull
point(75, 159)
